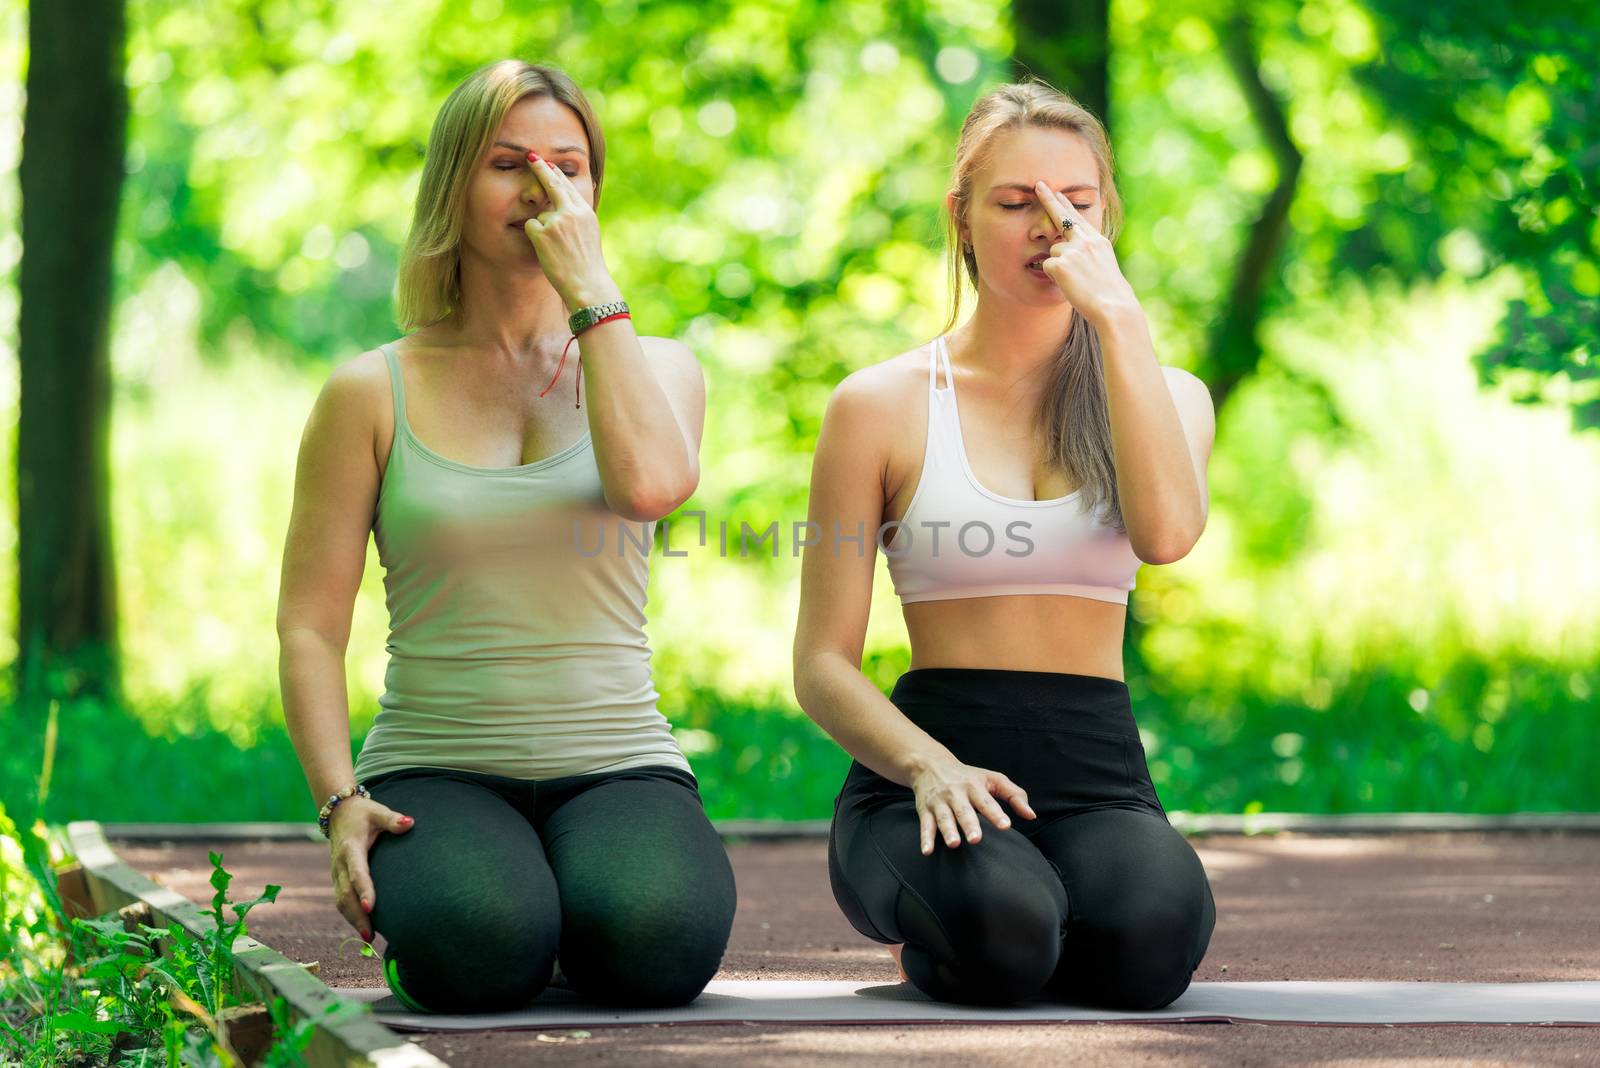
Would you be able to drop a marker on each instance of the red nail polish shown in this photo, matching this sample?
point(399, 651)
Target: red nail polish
point(407, 820)
point(533, 155)
point(366, 906)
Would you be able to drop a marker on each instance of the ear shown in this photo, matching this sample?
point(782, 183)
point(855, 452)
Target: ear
point(951, 205)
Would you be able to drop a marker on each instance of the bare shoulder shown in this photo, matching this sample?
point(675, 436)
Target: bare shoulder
point(355, 399)
point(877, 413)
point(354, 375)
point(878, 394)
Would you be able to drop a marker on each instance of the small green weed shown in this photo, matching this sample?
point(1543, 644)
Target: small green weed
point(105, 991)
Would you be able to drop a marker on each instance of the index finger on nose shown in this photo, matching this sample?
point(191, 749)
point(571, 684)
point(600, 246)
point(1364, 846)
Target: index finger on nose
point(555, 183)
point(541, 171)
point(1059, 206)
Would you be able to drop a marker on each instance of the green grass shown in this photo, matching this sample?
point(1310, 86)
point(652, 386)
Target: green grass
point(1491, 738)
point(1502, 735)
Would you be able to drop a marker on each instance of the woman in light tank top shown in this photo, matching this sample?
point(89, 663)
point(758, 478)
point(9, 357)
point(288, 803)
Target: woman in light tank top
point(527, 817)
point(998, 828)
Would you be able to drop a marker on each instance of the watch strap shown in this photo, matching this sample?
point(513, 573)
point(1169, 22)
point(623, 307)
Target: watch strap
point(584, 318)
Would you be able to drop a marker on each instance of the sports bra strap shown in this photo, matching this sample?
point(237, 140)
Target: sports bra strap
point(940, 356)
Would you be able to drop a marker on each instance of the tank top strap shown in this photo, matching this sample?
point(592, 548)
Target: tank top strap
point(397, 390)
point(397, 386)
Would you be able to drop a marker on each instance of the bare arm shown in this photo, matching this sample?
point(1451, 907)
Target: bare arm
point(335, 493)
point(336, 490)
point(646, 404)
point(1162, 420)
point(847, 500)
point(646, 399)
point(1161, 430)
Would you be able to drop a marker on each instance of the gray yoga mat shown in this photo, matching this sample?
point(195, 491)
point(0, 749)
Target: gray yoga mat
point(787, 1001)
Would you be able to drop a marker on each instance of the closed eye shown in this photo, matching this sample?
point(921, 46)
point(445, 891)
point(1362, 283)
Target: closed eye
point(1034, 204)
point(503, 166)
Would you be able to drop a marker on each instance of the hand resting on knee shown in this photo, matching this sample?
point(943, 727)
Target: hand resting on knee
point(353, 827)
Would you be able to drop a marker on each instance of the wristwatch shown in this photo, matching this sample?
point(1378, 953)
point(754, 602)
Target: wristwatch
point(584, 318)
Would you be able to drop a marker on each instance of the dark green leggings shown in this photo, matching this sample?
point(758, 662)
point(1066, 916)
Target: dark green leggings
point(620, 873)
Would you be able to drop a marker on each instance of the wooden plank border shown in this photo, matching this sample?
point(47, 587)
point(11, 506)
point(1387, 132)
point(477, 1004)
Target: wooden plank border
point(355, 1040)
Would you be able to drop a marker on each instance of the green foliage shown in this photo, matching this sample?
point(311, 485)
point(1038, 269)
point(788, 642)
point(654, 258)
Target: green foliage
point(75, 990)
point(271, 169)
point(1452, 732)
point(770, 762)
point(93, 991)
point(292, 1038)
point(1504, 111)
point(1380, 526)
point(1383, 743)
point(211, 970)
point(1438, 140)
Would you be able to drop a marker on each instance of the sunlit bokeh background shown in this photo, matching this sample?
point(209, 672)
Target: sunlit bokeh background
point(1393, 604)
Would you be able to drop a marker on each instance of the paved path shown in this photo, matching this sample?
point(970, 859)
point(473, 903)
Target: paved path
point(1446, 907)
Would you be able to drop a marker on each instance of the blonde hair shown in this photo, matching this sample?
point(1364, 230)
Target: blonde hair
point(1073, 412)
point(428, 288)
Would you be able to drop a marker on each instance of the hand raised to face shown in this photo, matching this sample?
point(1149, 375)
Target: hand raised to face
point(566, 238)
point(1082, 262)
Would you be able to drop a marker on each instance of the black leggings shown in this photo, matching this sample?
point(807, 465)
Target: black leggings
point(618, 872)
point(1099, 901)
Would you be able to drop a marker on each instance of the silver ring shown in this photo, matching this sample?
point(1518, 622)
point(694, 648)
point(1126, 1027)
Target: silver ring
point(1066, 224)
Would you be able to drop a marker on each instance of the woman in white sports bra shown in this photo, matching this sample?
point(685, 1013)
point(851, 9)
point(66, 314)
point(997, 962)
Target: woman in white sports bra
point(1016, 472)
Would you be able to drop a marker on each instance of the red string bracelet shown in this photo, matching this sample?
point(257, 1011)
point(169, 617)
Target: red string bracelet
point(577, 399)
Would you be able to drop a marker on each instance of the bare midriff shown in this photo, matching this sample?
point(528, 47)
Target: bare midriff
point(1036, 632)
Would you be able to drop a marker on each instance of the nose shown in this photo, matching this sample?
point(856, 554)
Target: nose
point(534, 195)
point(1043, 227)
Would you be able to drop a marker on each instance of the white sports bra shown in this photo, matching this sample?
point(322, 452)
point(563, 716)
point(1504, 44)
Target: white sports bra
point(959, 539)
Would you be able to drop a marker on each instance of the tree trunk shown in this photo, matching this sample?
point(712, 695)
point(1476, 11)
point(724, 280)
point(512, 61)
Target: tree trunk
point(73, 145)
point(1067, 45)
point(1235, 349)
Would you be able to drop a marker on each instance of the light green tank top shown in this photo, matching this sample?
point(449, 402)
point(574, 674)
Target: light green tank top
point(515, 647)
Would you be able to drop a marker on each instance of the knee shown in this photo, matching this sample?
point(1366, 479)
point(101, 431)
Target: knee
point(1148, 954)
point(481, 960)
point(644, 952)
point(991, 945)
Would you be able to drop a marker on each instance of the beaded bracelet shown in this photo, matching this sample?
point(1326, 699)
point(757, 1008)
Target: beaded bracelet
point(325, 814)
